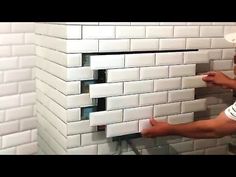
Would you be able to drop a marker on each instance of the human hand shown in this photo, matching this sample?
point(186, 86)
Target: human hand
point(157, 129)
point(216, 78)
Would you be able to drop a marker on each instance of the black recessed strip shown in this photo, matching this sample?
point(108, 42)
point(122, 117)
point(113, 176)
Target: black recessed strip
point(137, 52)
point(127, 137)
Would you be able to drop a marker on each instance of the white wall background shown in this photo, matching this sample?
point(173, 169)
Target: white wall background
point(17, 89)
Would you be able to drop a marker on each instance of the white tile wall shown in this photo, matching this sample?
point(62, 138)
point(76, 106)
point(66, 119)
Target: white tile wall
point(156, 84)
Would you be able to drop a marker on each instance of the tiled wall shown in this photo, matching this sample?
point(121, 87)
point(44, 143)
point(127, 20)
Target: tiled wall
point(60, 73)
point(18, 134)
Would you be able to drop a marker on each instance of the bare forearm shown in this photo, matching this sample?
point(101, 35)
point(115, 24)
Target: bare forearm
point(231, 84)
point(198, 129)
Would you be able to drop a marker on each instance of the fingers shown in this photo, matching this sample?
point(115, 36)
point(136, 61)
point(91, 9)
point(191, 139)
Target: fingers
point(208, 79)
point(153, 122)
point(211, 73)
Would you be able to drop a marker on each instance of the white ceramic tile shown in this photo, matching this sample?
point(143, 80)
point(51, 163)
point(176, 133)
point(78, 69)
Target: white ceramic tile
point(130, 31)
point(182, 70)
point(198, 43)
point(220, 43)
point(169, 58)
point(181, 147)
point(204, 143)
point(98, 32)
point(8, 63)
point(194, 106)
point(159, 31)
point(9, 127)
point(17, 75)
point(117, 75)
point(139, 60)
point(186, 31)
point(144, 44)
point(122, 102)
point(77, 46)
point(73, 141)
point(138, 87)
point(167, 84)
point(154, 72)
point(153, 98)
point(228, 54)
point(114, 45)
point(85, 150)
point(8, 89)
point(9, 101)
point(80, 127)
point(120, 129)
point(211, 31)
point(181, 118)
point(106, 61)
point(172, 44)
point(181, 95)
point(105, 90)
point(105, 117)
point(138, 113)
point(222, 65)
point(196, 57)
point(220, 150)
point(193, 82)
point(167, 109)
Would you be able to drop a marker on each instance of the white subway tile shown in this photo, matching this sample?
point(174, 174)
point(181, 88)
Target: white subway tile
point(81, 100)
point(114, 23)
point(167, 84)
point(23, 27)
point(117, 75)
point(138, 87)
point(9, 127)
point(122, 102)
point(106, 62)
point(85, 150)
point(105, 90)
point(23, 50)
point(98, 32)
point(220, 43)
point(28, 124)
point(173, 23)
point(199, 23)
point(196, 57)
point(9, 101)
point(181, 118)
point(181, 95)
point(139, 60)
point(114, 45)
point(1, 76)
point(8, 151)
point(193, 82)
point(15, 139)
point(73, 141)
point(18, 75)
point(29, 38)
point(228, 54)
point(172, 44)
point(215, 54)
point(5, 51)
point(34, 135)
point(107, 148)
point(211, 31)
point(5, 27)
point(167, 109)
point(8, 63)
point(169, 58)
point(27, 62)
point(198, 43)
point(220, 150)
point(120, 129)
point(204, 143)
point(27, 149)
point(62, 31)
point(80, 127)
point(153, 98)
point(26, 86)
point(27, 98)
point(11, 38)
point(144, 44)
point(154, 72)
point(181, 147)
point(105, 117)
point(182, 70)
point(8, 89)
point(138, 113)
point(220, 65)
point(130, 32)
point(186, 31)
point(93, 138)
point(159, 31)
point(194, 106)
point(2, 115)
point(19, 113)
point(229, 29)
point(77, 46)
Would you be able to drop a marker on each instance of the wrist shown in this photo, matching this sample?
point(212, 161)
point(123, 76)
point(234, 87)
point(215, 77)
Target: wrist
point(231, 84)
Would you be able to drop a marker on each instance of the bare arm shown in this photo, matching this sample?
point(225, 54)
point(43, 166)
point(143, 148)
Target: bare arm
point(213, 128)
